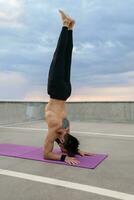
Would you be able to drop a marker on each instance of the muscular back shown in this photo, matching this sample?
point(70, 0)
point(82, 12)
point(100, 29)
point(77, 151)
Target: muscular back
point(54, 113)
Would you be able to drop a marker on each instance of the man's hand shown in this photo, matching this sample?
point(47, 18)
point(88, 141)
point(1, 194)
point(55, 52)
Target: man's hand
point(71, 160)
point(83, 153)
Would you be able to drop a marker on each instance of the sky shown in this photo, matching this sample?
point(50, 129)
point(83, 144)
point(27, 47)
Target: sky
point(103, 48)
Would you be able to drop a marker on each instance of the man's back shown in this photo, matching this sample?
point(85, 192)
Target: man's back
point(55, 111)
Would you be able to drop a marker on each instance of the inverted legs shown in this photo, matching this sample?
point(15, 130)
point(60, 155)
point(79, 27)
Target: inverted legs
point(59, 86)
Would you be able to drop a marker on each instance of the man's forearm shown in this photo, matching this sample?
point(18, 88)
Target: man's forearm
point(52, 156)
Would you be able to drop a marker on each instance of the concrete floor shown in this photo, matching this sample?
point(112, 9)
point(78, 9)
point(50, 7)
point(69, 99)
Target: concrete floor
point(115, 173)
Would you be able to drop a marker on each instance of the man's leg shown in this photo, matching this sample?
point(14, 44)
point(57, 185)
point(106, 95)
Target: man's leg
point(68, 60)
point(56, 82)
point(57, 67)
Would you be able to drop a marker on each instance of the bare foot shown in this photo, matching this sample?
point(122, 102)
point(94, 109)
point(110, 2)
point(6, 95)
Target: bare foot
point(66, 21)
point(66, 17)
point(71, 25)
point(63, 15)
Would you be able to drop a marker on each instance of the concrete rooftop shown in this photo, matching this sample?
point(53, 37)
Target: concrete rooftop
point(116, 173)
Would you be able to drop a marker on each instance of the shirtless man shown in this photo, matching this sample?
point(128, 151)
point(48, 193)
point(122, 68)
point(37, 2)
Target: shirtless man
point(59, 89)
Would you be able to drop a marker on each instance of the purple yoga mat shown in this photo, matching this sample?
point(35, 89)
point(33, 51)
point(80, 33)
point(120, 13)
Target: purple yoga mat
point(36, 153)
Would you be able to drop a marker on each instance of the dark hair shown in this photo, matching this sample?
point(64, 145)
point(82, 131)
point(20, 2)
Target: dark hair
point(71, 144)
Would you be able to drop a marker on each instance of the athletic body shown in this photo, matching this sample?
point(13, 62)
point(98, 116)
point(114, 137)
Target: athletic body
point(59, 89)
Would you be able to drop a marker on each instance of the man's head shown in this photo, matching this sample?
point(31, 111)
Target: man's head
point(70, 144)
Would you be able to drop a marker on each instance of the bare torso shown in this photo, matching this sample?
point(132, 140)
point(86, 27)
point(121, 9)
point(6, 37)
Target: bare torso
point(55, 109)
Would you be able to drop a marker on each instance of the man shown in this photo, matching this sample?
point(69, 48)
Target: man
point(59, 89)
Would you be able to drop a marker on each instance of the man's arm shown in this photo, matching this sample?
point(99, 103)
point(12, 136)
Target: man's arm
point(48, 148)
point(49, 144)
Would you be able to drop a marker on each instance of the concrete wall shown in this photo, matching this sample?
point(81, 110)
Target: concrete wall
point(20, 111)
point(102, 111)
point(77, 111)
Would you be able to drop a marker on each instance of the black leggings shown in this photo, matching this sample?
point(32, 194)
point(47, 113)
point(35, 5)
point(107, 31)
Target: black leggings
point(59, 85)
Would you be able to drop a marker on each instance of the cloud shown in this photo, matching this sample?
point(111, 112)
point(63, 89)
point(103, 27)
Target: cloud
point(10, 13)
point(16, 86)
point(103, 94)
point(121, 93)
point(103, 53)
point(12, 78)
point(36, 94)
point(13, 85)
point(124, 78)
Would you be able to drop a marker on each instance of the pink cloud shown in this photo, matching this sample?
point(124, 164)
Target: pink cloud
point(89, 94)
